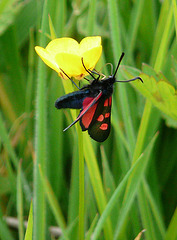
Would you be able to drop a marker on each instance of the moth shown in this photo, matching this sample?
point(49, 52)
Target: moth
point(94, 101)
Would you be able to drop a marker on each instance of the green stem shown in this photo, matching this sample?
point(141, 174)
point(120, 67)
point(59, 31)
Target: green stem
point(81, 184)
point(40, 143)
point(142, 130)
point(91, 18)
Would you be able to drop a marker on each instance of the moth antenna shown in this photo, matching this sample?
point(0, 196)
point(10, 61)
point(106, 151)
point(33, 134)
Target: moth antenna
point(70, 78)
point(88, 70)
point(111, 67)
point(105, 66)
point(120, 59)
point(131, 80)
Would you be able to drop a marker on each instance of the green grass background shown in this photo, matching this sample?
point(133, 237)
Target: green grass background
point(88, 190)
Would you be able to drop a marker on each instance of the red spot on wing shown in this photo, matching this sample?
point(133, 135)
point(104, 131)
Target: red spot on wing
point(100, 118)
point(104, 126)
point(107, 115)
point(106, 103)
point(110, 100)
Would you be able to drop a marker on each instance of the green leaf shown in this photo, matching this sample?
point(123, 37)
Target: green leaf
point(4, 231)
point(53, 203)
point(90, 231)
point(172, 229)
point(29, 230)
point(8, 11)
point(132, 186)
point(161, 93)
point(20, 203)
point(114, 198)
point(52, 29)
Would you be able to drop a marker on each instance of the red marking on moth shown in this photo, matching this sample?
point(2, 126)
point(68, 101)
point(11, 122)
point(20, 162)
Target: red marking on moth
point(107, 115)
point(100, 118)
point(110, 101)
point(106, 103)
point(86, 101)
point(104, 126)
point(88, 116)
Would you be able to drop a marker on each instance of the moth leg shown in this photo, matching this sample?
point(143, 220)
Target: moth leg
point(87, 79)
point(70, 79)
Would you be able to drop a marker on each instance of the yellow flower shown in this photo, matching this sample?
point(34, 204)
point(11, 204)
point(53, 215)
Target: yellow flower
point(66, 54)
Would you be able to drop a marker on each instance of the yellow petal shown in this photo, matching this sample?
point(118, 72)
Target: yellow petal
point(91, 57)
point(67, 54)
point(88, 43)
point(47, 58)
point(71, 64)
point(58, 45)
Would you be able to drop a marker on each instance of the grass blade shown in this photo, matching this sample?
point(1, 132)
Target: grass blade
point(175, 15)
point(53, 203)
point(29, 230)
point(40, 143)
point(132, 187)
point(6, 141)
point(81, 185)
point(114, 199)
point(4, 231)
point(20, 203)
point(172, 230)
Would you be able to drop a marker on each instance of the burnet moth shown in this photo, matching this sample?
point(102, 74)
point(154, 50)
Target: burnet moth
point(94, 100)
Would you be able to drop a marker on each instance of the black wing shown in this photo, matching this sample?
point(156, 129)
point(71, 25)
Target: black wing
point(99, 128)
point(85, 110)
point(72, 100)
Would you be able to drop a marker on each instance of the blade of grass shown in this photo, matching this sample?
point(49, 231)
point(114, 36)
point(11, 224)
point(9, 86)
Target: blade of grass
point(164, 11)
point(114, 28)
point(6, 105)
point(148, 106)
point(6, 141)
point(139, 235)
point(61, 13)
point(20, 204)
point(12, 59)
point(175, 15)
point(146, 216)
point(109, 186)
point(141, 137)
point(29, 230)
point(29, 88)
point(154, 208)
point(73, 207)
point(52, 29)
point(53, 203)
point(165, 41)
point(91, 17)
point(114, 21)
point(114, 198)
point(172, 230)
point(90, 231)
point(5, 233)
point(96, 181)
point(81, 184)
point(134, 24)
point(142, 131)
point(40, 141)
point(132, 187)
